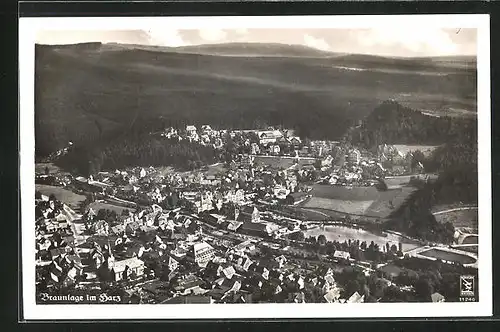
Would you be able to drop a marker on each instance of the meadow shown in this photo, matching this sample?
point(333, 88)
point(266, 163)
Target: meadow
point(343, 206)
point(66, 196)
point(96, 206)
point(460, 219)
point(366, 201)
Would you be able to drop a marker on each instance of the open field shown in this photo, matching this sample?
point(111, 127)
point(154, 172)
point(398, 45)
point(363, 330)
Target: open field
point(366, 201)
point(344, 206)
point(96, 206)
point(64, 195)
point(448, 256)
point(345, 193)
point(389, 201)
point(460, 218)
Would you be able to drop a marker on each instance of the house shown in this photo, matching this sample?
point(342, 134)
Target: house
point(295, 141)
point(327, 161)
point(191, 131)
point(274, 149)
point(189, 285)
point(132, 227)
point(101, 227)
point(244, 246)
point(127, 268)
point(53, 226)
point(332, 295)
point(354, 156)
point(234, 225)
point(356, 298)
point(269, 136)
point(280, 192)
point(229, 272)
point(341, 255)
point(206, 129)
point(118, 229)
point(172, 263)
point(254, 148)
point(281, 260)
point(235, 196)
point(201, 253)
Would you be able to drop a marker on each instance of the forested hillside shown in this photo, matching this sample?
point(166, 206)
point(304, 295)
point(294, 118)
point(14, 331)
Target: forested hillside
point(393, 123)
point(84, 92)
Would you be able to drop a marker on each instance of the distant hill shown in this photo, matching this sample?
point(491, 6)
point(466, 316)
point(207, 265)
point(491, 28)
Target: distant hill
point(84, 91)
point(239, 49)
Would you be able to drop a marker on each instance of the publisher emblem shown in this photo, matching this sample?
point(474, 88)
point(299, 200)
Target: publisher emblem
point(467, 285)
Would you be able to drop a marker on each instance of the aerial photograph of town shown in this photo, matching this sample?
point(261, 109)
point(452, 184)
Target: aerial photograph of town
point(256, 166)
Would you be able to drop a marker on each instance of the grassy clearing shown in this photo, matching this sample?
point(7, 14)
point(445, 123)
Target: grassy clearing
point(366, 201)
point(343, 206)
point(459, 219)
point(345, 193)
point(274, 162)
point(64, 195)
point(96, 206)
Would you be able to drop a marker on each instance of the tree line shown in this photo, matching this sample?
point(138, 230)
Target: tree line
point(145, 150)
point(393, 123)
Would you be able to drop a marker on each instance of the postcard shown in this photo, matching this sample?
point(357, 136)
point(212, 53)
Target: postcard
point(255, 167)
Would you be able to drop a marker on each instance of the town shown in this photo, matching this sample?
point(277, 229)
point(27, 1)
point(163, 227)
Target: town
point(276, 219)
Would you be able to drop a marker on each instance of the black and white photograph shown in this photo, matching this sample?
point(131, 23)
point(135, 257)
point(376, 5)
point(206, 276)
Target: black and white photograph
point(255, 167)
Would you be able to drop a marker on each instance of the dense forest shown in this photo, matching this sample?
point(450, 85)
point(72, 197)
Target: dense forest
point(136, 149)
point(454, 160)
point(84, 91)
point(393, 123)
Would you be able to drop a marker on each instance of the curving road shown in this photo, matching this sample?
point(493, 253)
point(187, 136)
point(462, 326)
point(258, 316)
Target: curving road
point(456, 209)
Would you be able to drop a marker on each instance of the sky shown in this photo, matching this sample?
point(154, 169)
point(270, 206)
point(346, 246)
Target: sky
point(390, 41)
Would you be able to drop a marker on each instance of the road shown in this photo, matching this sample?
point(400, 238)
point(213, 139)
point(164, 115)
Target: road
point(456, 209)
point(77, 228)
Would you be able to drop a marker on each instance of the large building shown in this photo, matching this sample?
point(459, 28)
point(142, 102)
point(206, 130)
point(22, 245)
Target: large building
point(269, 136)
point(201, 253)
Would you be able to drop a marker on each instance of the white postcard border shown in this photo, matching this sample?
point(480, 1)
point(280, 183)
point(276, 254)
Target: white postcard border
point(32, 311)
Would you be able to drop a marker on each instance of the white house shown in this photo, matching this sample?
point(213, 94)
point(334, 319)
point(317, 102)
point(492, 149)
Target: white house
point(125, 268)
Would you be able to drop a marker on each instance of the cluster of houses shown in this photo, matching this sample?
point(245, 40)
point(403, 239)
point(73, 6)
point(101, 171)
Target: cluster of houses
point(193, 262)
point(268, 141)
point(199, 232)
